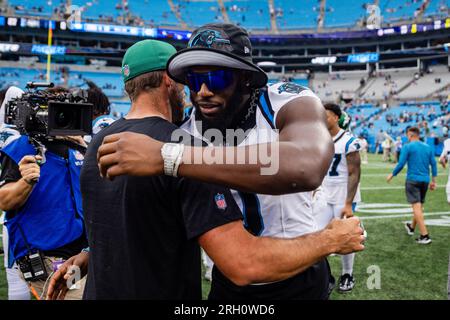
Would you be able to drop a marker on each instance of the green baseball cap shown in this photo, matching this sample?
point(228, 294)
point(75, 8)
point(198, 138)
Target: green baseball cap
point(146, 56)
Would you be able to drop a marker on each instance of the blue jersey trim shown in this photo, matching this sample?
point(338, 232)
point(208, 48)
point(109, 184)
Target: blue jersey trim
point(267, 110)
point(348, 144)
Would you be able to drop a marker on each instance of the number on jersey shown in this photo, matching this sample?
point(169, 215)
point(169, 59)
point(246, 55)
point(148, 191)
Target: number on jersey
point(337, 159)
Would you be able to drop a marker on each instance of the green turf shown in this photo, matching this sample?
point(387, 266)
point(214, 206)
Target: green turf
point(407, 270)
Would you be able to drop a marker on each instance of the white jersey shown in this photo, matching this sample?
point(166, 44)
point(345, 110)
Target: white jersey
point(446, 151)
point(335, 182)
point(446, 154)
point(282, 216)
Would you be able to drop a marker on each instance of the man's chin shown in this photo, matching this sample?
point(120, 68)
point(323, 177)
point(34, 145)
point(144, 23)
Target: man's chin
point(212, 121)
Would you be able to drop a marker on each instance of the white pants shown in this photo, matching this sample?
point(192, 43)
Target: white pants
point(327, 213)
point(17, 287)
point(324, 213)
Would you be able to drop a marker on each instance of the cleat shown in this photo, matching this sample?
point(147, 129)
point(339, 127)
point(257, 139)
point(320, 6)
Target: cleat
point(346, 283)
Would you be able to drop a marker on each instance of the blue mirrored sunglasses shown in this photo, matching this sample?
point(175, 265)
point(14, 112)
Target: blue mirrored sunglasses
point(215, 80)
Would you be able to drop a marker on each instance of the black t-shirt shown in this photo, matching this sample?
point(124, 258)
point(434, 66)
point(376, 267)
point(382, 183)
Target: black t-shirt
point(143, 231)
point(10, 173)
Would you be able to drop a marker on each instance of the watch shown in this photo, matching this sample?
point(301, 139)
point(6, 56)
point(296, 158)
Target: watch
point(172, 154)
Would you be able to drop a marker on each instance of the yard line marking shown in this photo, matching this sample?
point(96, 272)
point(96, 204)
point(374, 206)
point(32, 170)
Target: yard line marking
point(389, 188)
point(402, 215)
point(385, 175)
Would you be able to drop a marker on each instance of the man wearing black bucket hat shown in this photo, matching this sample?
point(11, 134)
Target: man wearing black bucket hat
point(229, 94)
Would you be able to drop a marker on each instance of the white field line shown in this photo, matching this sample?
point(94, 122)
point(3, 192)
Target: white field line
point(378, 165)
point(389, 188)
point(402, 215)
point(386, 174)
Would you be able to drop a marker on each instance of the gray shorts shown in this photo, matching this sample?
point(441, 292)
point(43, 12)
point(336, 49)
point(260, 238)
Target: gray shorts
point(416, 191)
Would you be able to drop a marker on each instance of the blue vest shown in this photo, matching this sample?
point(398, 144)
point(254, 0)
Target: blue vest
point(52, 216)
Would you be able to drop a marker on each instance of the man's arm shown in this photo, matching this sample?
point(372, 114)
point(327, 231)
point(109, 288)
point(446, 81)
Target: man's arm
point(443, 161)
point(443, 157)
point(354, 175)
point(247, 259)
point(13, 195)
point(57, 287)
point(401, 163)
point(433, 171)
point(302, 155)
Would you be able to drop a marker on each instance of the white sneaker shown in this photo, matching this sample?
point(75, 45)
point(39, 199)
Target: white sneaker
point(423, 240)
point(408, 228)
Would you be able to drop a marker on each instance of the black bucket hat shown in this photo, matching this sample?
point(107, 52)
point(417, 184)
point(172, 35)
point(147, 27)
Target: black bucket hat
point(220, 45)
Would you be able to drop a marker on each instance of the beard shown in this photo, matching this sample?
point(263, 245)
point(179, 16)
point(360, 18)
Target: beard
point(230, 115)
point(176, 101)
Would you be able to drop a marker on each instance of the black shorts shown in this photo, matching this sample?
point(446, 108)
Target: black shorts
point(416, 191)
point(312, 284)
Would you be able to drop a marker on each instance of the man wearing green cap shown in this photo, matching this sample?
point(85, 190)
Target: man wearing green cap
point(144, 232)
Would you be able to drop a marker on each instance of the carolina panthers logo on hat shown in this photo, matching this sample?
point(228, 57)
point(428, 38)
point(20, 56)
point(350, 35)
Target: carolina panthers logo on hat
point(209, 39)
point(291, 88)
point(126, 70)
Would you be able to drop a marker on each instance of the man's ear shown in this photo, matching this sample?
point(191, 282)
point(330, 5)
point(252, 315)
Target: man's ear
point(167, 81)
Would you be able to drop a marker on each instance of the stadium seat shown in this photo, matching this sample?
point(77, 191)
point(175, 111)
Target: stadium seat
point(294, 16)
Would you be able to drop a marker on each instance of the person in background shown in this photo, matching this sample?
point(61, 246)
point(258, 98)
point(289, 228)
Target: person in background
point(420, 158)
point(387, 146)
point(379, 140)
point(42, 202)
point(443, 160)
point(17, 288)
point(340, 185)
point(364, 149)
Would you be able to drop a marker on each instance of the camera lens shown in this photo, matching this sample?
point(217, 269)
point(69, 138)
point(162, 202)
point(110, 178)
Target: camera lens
point(64, 119)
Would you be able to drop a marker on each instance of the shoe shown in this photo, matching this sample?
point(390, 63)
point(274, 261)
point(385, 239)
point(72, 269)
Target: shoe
point(408, 228)
point(423, 240)
point(346, 283)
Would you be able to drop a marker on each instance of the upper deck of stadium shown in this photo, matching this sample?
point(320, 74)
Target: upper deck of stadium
point(268, 16)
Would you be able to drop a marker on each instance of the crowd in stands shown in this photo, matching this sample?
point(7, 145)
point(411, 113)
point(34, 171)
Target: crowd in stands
point(250, 14)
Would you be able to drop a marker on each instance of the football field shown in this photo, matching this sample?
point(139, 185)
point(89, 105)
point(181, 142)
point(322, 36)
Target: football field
point(393, 266)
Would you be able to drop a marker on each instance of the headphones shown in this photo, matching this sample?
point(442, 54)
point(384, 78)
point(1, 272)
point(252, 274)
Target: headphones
point(344, 120)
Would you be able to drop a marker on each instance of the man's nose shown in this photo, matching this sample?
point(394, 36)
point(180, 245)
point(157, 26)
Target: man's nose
point(204, 91)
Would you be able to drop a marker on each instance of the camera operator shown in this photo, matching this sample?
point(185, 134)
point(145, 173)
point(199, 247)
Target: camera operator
point(42, 201)
point(17, 287)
